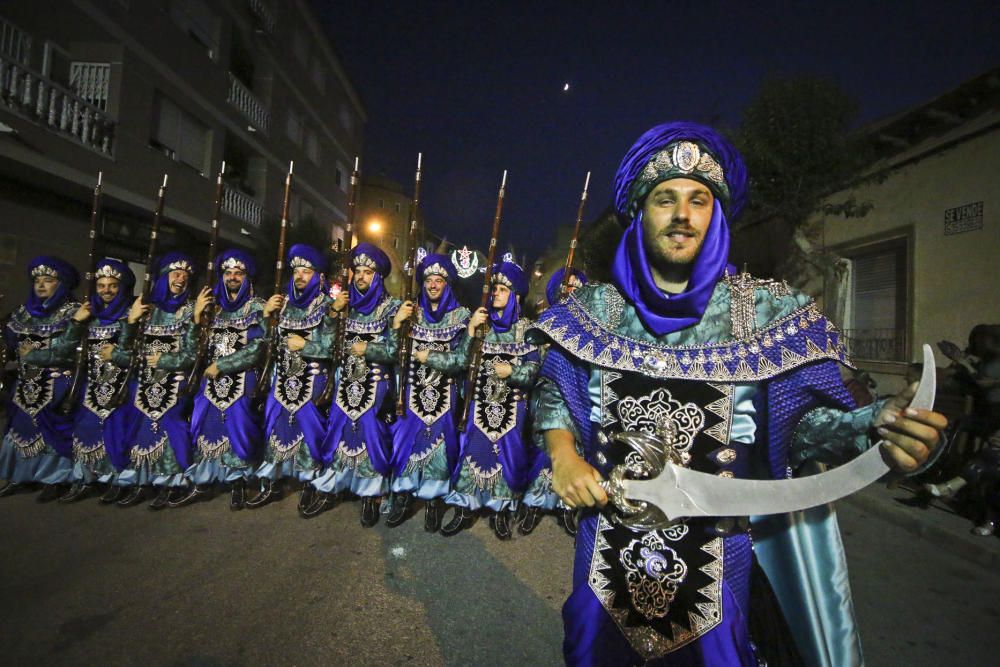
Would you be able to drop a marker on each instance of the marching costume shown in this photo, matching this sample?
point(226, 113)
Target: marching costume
point(425, 437)
point(226, 431)
point(358, 436)
point(38, 445)
point(739, 378)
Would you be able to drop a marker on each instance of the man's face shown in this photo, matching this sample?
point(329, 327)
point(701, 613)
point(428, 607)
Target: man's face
point(676, 216)
point(178, 281)
point(434, 286)
point(363, 277)
point(301, 277)
point(574, 284)
point(45, 286)
point(107, 289)
point(234, 279)
point(501, 295)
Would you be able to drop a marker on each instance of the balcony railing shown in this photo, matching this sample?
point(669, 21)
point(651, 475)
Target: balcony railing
point(877, 344)
point(241, 206)
point(262, 12)
point(92, 82)
point(249, 105)
point(27, 93)
point(15, 43)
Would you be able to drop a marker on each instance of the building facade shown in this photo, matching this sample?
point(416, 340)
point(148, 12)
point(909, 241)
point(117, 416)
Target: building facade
point(136, 90)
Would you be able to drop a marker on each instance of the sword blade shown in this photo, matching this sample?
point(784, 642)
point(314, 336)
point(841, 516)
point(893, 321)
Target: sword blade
point(682, 492)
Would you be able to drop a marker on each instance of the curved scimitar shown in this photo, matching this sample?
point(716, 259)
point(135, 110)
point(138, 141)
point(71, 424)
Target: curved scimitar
point(682, 492)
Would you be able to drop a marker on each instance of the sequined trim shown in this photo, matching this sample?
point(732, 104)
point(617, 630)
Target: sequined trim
point(351, 458)
point(212, 450)
point(485, 480)
point(89, 456)
point(182, 317)
point(281, 452)
point(149, 456)
point(27, 448)
point(314, 313)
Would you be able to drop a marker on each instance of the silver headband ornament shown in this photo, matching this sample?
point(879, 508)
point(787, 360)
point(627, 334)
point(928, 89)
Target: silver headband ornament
point(436, 269)
point(108, 271)
point(365, 260)
point(300, 263)
point(43, 270)
point(501, 279)
point(234, 263)
point(180, 265)
point(678, 160)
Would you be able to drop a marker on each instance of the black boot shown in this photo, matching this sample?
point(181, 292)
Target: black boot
point(321, 503)
point(463, 519)
point(569, 521)
point(49, 493)
point(432, 515)
point(111, 495)
point(133, 497)
point(369, 511)
point(11, 489)
point(500, 523)
point(400, 508)
point(78, 491)
point(530, 519)
point(162, 498)
point(237, 495)
point(191, 495)
point(269, 491)
point(306, 497)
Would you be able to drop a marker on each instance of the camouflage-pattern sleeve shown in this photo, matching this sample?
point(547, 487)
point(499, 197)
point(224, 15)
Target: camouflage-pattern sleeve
point(183, 359)
point(62, 348)
point(525, 374)
point(832, 436)
point(454, 362)
point(320, 344)
point(384, 350)
point(250, 356)
point(121, 356)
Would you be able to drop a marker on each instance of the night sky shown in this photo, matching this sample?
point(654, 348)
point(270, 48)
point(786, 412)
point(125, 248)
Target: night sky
point(478, 86)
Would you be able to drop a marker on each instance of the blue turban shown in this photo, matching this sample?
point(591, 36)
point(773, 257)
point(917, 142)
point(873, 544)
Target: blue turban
point(437, 265)
point(676, 150)
point(511, 275)
point(554, 286)
point(233, 259)
point(109, 313)
point(302, 255)
point(50, 266)
point(366, 254)
point(161, 297)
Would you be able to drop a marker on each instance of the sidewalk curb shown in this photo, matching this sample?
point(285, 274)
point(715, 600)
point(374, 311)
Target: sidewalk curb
point(980, 550)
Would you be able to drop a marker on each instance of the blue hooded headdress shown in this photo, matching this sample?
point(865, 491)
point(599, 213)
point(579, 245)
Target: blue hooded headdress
point(302, 255)
point(161, 296)
point(676, 150)
point(437, 265)
point(46, 265)
point(511, 275)
point(109, 313)
point(366, 254)
point(233, 259)
point(554, 285)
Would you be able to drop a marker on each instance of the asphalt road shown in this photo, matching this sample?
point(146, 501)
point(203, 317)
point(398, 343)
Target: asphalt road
point(87, 584)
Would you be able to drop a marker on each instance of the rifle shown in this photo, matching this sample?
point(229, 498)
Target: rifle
point(3, 346)
point(271, 343)
point(207, 315)
point(405, 342)
point(476, 351)
point(343, 250)
point(72, 396)
point(568, 270)
point(139, 340)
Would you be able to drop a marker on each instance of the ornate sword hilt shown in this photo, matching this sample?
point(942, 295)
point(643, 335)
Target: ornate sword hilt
point(647, 459)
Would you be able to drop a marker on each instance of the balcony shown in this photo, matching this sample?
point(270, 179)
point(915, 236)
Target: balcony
point(249, 105)
point(25, 92)
point(261, 11)
point(876, 344)
point(242, 207)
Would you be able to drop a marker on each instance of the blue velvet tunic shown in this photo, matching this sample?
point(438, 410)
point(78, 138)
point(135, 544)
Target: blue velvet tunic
point(228, 434)
point(38, 445)
point(773, 354)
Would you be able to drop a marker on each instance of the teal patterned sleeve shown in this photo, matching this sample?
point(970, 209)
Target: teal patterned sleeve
point(524, 375)
point(61, 349)
point(320, 344)
point(549, 411)
point(242, 360)
point(183, 359)
point(121, 357)
point(832, 436)
point(455, 362)
point(385, 349)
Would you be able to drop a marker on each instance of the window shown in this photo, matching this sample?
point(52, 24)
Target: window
point(312, 147)
point(300, 47)
point(397, 207)
point(198, 22)
point(381, 203)
point(876, 309)
point(318, 76)
point(345, 117)
point(180, 135)
point(91, 81)
point(395, 242)
point(338, 176)
point(293, 127)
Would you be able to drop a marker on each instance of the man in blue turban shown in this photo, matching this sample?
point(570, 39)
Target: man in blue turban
point(425, 438)
point(158, 441)
point(99, 427)
point(226, 430)
point(293, 425)
point(734, 376)
point(38, 444)
point(357, 435)
point(492, 466)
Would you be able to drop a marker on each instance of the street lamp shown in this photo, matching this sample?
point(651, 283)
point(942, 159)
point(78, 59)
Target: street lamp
point(375, 227)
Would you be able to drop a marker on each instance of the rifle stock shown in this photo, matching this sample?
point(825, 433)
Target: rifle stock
point(72, 397)
point(568, 269)
point(476, 350)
